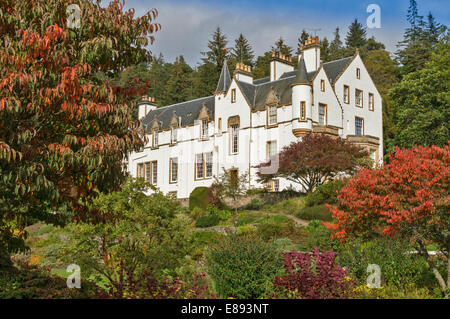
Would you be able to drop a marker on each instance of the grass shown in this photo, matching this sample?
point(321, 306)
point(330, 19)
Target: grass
point(320, 212)
point(289, 207)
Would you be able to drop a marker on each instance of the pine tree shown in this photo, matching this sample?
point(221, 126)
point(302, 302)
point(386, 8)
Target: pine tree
point(217, 49)
point(262, 66)
point(282, 47)
point(434, 30)
point(179, 82)
point(416, 22)
point(325, 50)
point(336, 46)
point(356, 36)
point(242, 51)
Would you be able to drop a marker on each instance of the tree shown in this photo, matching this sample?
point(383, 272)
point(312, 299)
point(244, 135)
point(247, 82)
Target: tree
point(242, 51)
point(217, 50)
point(336, 46)
point(178, 85)
point(301, 40)
point(356, 36)
point(141, 237)
point(262, 66)
point(228, 185)
point(282, 47)
point(421, 101)
point(64, 133)
point(325, 50)
point(315, 159)
point(409, 197)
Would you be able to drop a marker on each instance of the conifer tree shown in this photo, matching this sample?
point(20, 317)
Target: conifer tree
point(325, 50)
point(336, 46)
point(282, 47)
point(301, 40)
point(356, 36)
point(242, 51)
point(179, 82)
point(217, 49)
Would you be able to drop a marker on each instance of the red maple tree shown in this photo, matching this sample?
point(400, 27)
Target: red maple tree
point(409, 197)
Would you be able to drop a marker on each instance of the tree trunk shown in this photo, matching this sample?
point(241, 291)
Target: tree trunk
point(424, 253)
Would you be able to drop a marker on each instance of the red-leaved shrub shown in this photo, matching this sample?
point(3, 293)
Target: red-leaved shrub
point(314, 276)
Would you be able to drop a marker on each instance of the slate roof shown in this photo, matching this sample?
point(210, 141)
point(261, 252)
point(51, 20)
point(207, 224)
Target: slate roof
point(255, 93)
point(188, 111)
point(224, 79)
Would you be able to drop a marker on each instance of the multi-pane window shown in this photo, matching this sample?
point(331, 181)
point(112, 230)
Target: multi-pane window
point(148, 171)
point(173, 174)
point(233, 95)
point(234, 139)
point(155, 139)
point(209, 164)
point(204, 129)
point(322, 114)
point(273, 115)
point(371, 102)
point(359, 97)
point(203, 165)
point(358, 73)
point(273, 185)
point(346, 94)
point(322, 85)
point(173, 135)
point(154, 172)
point(359, 126)
point(271, 148)
point(302, 111)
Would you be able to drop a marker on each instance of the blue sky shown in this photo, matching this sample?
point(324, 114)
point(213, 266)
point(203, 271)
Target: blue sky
point(187, 25)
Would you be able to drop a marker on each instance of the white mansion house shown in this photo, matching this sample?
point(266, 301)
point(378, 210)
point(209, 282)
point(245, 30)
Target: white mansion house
point(246, 121)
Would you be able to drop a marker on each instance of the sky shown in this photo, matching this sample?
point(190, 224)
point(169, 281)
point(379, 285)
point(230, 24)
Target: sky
point(188, 25)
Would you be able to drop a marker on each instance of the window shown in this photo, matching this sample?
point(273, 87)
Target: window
point(204, 129)
point(140, 171)
point(233, 175)
point(173, 173)
point(199, 166)
point(271, 148)
point(219, 125)
point(203, 165)
point(302, 111)
point(155, 139)
point(322, 85)
point(322, 114)
point(272, 115)
point(173, 135)
point(371, 102)
point(359, 98)
point(148, 172)
point(358, 73)
point(346, 94)
point(234, 139)
point(209, 164)
point(233, 95)
point(359, 126)
point(154, 172)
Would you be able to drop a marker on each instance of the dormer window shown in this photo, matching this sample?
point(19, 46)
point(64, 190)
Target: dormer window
point(272, 112)
point(155, 139)
point(204, 130)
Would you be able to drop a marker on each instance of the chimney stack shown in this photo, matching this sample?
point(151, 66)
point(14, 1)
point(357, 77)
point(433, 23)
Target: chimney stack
point(311, 54)
point(243, 73)
point(280, 64)
point(146, 105)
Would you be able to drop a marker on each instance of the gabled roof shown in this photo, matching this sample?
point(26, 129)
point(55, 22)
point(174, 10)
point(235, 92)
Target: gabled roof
point(334, 68)
point(187, 111)
point(224, 79)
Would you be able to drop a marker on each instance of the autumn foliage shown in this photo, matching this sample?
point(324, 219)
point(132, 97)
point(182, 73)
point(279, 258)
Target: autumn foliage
point(408, 197)
point(314, 159)
point(63, 131)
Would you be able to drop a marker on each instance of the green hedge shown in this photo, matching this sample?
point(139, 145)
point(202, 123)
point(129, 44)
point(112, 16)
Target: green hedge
point(199, 198)
point(325, 193)
point(207, 221)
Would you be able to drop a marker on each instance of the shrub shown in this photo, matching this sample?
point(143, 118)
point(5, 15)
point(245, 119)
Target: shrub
point(243, 267)
point(398, 267)
point(254, 204)
point(325, 193)
point(246, 230)
point(320, 212)
point(207, 221)
point(245, 218)
point(224, 214)
point(199, 198)
point(314, 276)
point(197, 212)
point(272, 229)
point(283, 244)
point(319, 236)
